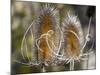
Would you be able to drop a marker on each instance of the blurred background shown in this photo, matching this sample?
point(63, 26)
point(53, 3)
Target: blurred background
point(22, 15)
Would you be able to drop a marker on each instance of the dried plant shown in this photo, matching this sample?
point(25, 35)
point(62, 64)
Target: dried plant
point(54, 43)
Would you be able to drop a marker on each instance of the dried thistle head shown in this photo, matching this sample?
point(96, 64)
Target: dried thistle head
point(47, 22)
point(73, 35)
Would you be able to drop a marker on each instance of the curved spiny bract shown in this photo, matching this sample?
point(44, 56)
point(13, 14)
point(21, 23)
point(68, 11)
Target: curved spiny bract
point(28, 46)
point(47, 21)
point(73, 35)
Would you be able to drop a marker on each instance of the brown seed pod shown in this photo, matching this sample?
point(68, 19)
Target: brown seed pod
point(47, 22)
point(73, 35)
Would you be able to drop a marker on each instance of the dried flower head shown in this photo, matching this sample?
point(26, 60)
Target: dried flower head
point(73, 35)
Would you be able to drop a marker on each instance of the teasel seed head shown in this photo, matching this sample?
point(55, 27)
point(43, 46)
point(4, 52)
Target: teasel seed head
point(48, 19)
point(73, 35)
